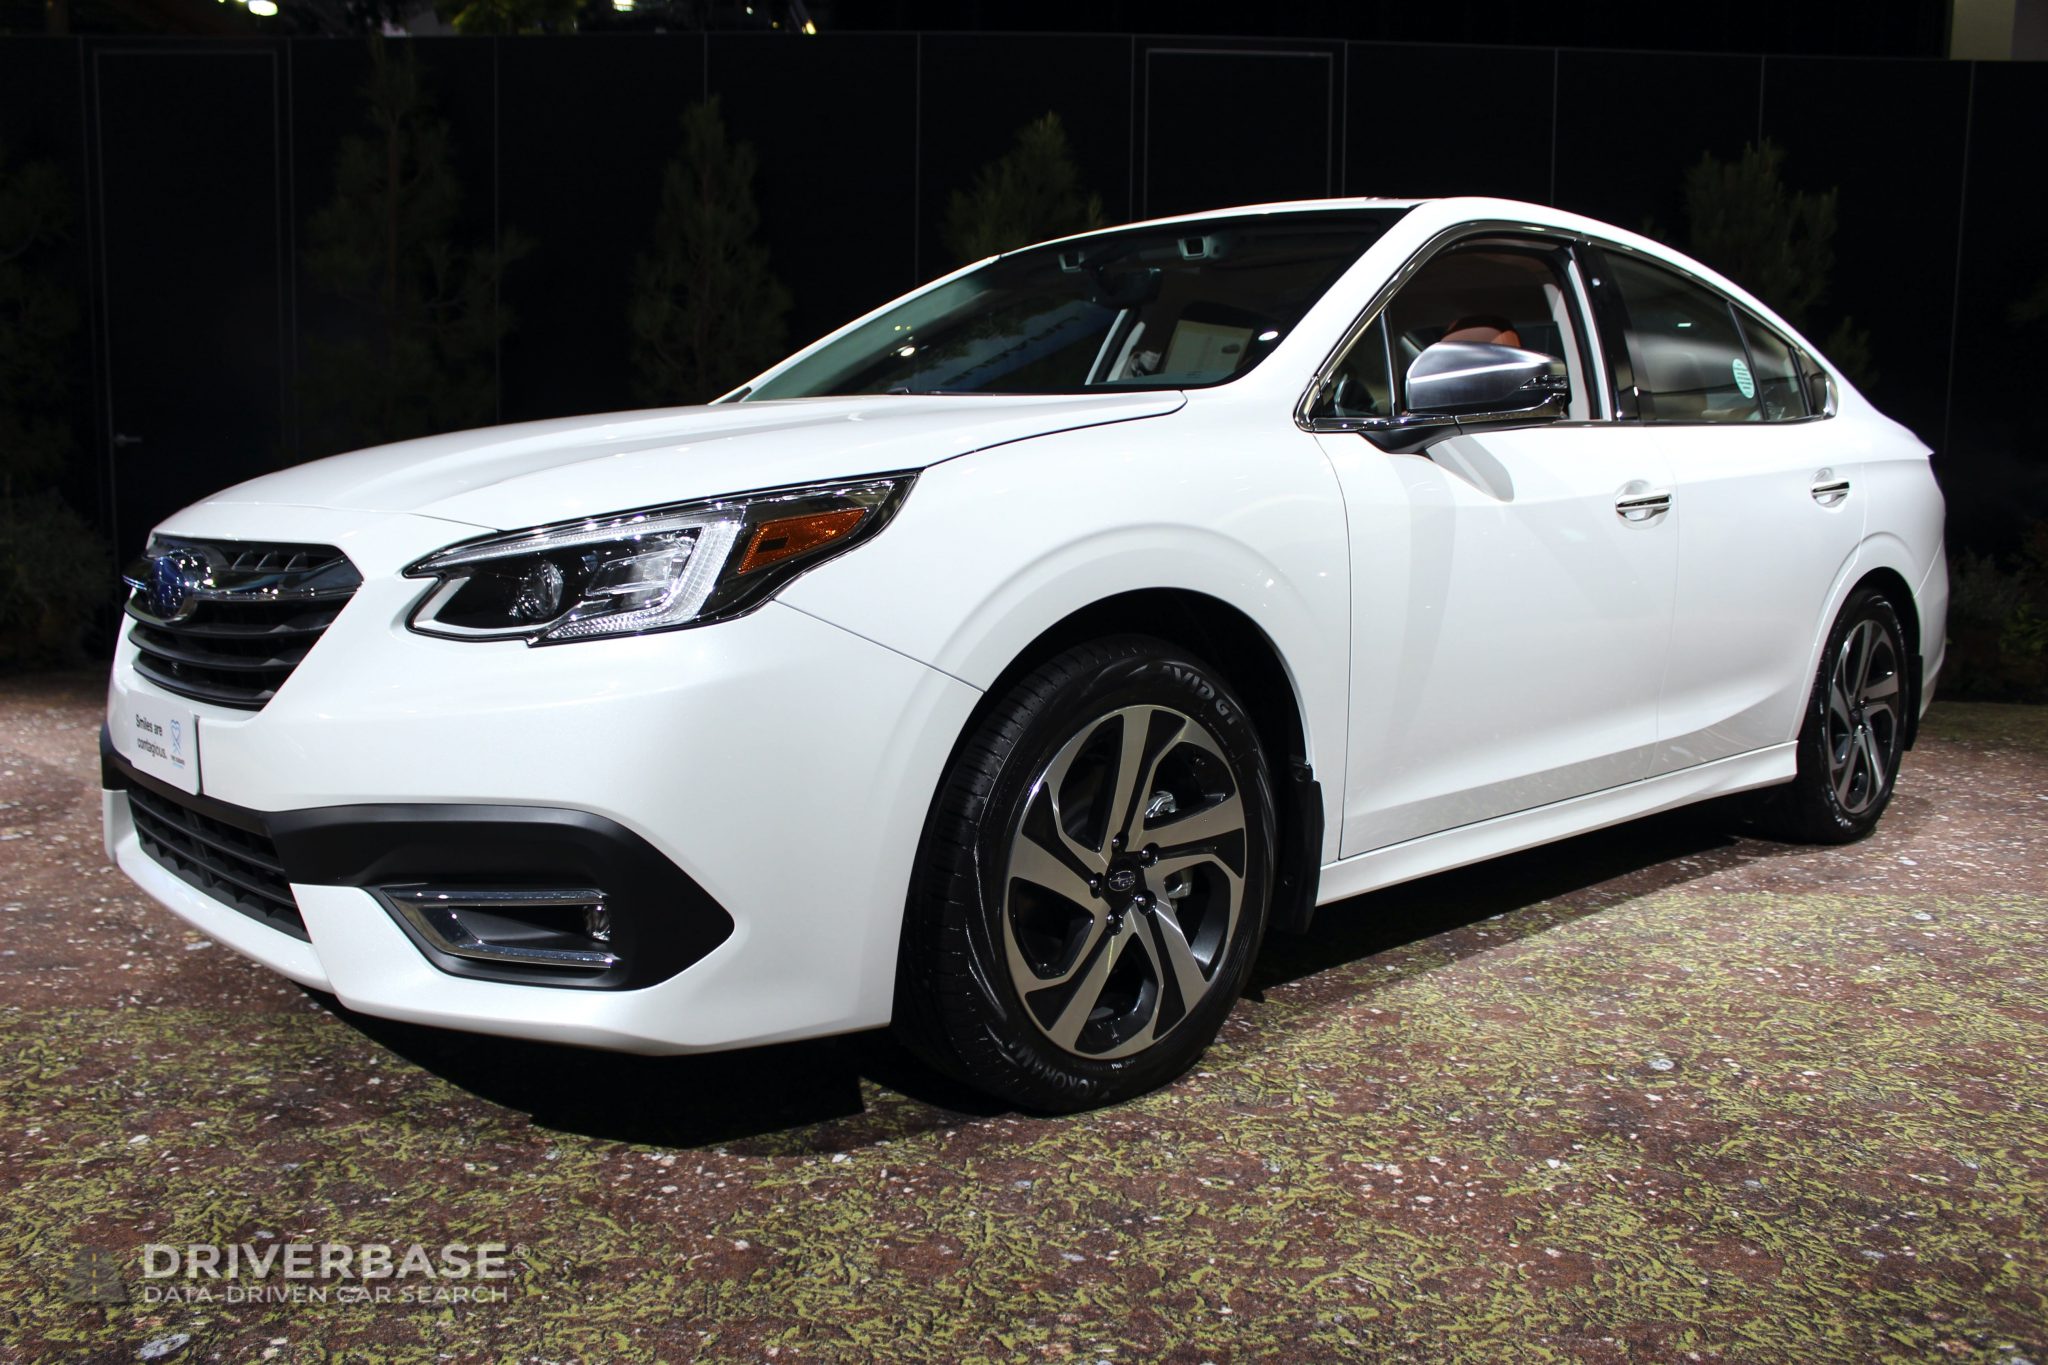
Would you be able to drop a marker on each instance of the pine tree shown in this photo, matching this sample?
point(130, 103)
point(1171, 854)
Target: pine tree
point(1027, 195)
point(707, 312)
point(425, 318)
point(1776, 242)
point(53, 569)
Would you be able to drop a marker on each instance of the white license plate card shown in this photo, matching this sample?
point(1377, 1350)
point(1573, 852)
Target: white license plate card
point(162, 739)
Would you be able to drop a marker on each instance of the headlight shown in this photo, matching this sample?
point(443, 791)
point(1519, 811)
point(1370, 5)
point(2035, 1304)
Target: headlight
point(656, 569)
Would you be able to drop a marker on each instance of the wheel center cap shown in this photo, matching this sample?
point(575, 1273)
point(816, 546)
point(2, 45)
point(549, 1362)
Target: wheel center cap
point(1122, 880)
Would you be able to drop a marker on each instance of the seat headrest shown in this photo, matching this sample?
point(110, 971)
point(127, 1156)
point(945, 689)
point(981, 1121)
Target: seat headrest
point(1495, 331)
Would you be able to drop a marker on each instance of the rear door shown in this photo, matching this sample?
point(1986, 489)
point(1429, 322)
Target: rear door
point(1765, 506)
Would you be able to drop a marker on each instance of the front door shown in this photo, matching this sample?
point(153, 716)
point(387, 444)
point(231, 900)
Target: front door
point(1511, 585)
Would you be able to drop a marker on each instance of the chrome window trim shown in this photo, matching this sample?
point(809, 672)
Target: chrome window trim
point(1589, 323)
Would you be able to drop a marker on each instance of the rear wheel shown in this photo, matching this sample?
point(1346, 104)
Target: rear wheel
point(1093, 881)
point(1855, 730)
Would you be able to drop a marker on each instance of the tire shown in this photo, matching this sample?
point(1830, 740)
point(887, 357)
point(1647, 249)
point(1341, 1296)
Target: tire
point(1854, 732)
point(1049, 960)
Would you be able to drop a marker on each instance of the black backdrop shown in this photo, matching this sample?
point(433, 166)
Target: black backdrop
point(197, 166)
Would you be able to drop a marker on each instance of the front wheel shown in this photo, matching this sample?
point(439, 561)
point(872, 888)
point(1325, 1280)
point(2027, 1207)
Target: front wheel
point(1093, 881)
point(1854, 733)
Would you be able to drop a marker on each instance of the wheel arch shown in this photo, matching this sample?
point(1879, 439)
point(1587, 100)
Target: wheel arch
point(1231, 642)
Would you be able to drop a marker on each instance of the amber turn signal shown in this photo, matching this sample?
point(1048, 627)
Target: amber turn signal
point(775, 541)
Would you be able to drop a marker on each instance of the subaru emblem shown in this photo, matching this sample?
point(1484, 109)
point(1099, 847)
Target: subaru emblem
point(175, 578)
point(1123, 879)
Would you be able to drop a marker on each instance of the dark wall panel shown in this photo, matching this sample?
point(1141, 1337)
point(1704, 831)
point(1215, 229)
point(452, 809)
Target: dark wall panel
point(191, 211)
point(1222, 127)
point(835, 120)
point(1991, 462)
point(978, 91)
point(1427, 121)
point(42, 120)
point(587, 128)
point(1894, 271)
point(1630, 123)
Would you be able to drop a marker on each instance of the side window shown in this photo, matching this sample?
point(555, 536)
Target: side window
point(1690, 362)
point(1364, 385)
point(1492, 294)
point(1820, 394)
point(1775, 370)
point(1498, 294)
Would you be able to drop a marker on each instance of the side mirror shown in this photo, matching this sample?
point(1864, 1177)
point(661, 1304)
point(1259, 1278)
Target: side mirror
point(1479, 379)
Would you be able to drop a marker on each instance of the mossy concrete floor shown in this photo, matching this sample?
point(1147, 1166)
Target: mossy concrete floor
point(1658, 1094)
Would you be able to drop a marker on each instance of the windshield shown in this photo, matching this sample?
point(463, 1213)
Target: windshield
point(1169, 307)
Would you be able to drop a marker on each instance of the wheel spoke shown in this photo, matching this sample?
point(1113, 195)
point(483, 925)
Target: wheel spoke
point(1873, 766)
point(1204, 826)
point(1033, 862)
point(1179, 958)
point(1088, 986)
point(1094, 859)
point(1881, 689)
point(1182, 860)
point(1866, 638)
point(1845, 774)
point(1134, 768)
point(1026, 976)
point(1839, 708)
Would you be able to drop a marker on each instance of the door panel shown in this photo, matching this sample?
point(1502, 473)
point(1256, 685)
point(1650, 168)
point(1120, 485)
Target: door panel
point(1509, 627)
point(1758, 553)
point(1764, 503)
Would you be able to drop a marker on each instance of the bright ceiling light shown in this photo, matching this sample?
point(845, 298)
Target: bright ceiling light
point(263, 9)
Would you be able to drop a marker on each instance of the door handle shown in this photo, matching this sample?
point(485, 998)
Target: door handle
point(1642, 506)
point(122, 442)
point(1828, 490)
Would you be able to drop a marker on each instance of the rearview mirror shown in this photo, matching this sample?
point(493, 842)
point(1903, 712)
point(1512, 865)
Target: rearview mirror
point(1480, 379)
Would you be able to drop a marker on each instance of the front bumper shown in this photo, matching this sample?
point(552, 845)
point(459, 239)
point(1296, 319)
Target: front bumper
point(780, 766)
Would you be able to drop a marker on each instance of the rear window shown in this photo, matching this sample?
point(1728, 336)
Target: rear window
point(1691, 365)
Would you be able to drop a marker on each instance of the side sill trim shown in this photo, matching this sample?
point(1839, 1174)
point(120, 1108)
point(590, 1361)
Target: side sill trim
point(1561, 819)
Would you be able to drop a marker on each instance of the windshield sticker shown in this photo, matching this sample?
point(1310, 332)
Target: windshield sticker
point(1742, 379)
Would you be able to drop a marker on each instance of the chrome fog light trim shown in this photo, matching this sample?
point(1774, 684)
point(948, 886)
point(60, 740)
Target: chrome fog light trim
point(436, 913)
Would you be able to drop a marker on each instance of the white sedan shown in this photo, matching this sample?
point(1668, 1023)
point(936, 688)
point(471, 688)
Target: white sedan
point(1008, 663)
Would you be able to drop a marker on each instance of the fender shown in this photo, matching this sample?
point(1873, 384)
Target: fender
point(1879, 550)
point(967, 585)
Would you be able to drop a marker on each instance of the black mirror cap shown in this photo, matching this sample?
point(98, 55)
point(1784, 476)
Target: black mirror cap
point(1480, 379)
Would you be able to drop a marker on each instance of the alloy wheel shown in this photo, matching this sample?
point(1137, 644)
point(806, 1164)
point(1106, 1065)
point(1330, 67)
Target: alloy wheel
point(1863, 718)
point(1125, 881)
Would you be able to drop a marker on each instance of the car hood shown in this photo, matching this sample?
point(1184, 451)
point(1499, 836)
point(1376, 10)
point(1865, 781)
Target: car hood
point(539, 472)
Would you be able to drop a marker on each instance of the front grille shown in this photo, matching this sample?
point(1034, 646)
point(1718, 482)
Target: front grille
point(227, 621)
point(235, 866)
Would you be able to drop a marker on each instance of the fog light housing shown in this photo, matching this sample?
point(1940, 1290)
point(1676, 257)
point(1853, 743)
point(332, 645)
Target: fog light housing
point(540, 931)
